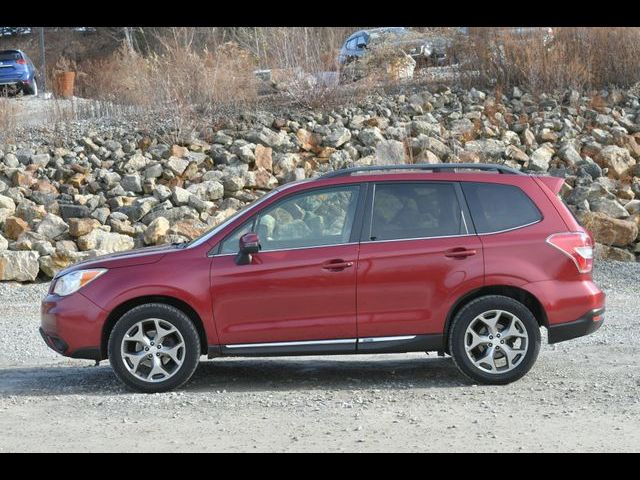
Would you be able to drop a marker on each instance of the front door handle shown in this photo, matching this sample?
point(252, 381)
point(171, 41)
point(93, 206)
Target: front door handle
point(336, 265)
point(459, 253)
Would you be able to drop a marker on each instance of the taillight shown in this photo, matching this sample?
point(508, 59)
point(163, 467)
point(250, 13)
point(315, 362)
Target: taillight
point(578, 246)
point(21, 61)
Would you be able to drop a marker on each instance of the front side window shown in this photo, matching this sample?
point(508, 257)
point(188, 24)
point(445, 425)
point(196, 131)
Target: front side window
point(415, 210)
point(309, 219)
point(231, 244)
point(496, 207)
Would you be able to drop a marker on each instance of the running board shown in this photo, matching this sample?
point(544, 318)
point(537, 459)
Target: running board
point(340, 346)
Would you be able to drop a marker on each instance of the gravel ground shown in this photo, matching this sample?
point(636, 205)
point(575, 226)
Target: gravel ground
point(582, 395)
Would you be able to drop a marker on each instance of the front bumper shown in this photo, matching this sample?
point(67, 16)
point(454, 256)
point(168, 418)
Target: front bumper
point(72, 326)
point(588, 323)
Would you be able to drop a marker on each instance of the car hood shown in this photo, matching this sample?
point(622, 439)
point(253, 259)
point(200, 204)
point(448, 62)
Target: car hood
point(140, 256)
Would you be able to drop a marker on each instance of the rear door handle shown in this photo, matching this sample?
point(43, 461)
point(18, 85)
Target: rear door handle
point(459, 253)
point(336, 265)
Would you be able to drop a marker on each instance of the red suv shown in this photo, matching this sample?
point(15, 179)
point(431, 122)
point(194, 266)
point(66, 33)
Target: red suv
point(364, 260)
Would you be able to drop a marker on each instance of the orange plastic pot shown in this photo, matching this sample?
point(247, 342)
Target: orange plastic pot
point(65, 82)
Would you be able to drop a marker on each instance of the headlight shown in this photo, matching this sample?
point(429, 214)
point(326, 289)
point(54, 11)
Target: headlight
point(74, 281)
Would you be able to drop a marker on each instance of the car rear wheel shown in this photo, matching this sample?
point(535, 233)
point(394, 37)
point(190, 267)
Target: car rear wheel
point(154, 348)
point(33, 88)
point(494, 340)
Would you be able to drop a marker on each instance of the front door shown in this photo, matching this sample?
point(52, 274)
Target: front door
point(299, 292)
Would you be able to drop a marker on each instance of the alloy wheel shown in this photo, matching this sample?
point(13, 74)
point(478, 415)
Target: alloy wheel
point(153, 350)
point(496, 341)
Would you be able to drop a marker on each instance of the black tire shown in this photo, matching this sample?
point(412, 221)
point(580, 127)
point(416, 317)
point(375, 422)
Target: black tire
point(33, 88)
point(464, 318)
point(171, 315)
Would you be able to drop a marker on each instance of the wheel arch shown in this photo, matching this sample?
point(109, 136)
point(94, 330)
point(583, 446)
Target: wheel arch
point(124, 307)
point(517, 293)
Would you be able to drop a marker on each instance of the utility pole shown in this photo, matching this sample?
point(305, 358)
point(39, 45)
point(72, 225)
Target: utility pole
point(43, 64)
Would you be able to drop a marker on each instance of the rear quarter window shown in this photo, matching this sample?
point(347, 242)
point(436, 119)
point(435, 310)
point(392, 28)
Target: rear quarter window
point(496, 207)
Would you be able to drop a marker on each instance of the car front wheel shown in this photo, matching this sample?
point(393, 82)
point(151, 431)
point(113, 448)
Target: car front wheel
point(154, 348)
point(494, 340)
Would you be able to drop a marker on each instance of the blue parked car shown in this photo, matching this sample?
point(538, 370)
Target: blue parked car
point(17, 73)
point(431, 50)
point(424, 50)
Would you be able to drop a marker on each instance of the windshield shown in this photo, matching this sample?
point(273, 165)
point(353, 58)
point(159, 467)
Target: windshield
point(207, 235)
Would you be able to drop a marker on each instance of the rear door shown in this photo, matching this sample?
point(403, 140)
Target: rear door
point(418, 254)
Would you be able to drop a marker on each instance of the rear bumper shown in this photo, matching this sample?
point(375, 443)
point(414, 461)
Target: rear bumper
point(14, 84)
point(588, 323)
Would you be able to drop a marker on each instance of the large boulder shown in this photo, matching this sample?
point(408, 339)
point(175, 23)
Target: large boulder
point(207, 190)
point(50, 265)
point(617, 159)
point(7, 203)
point(486, 148)
point(610, 231)
point(264, 157)
point(608, 206)
point(156, 231)
point(540, 158)
point(19, 266)
point(14, 227)
point(605, 252)
point(52, 227)
point(79, 227)
point(369, 137)
point(105, 241)
point(337, 137)
point(389, 152)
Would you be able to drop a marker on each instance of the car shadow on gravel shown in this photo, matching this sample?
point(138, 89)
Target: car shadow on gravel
point(248, 375)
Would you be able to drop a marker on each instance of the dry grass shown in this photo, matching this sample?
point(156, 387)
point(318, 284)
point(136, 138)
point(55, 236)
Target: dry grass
point(576, 58)
point(185, 85)
point(9, 112)
point(196, 73)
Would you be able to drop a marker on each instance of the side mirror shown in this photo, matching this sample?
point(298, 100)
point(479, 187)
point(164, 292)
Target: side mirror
point(249, 244)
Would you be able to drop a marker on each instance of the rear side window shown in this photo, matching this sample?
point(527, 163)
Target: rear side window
point(495, 207)
point(415, 210)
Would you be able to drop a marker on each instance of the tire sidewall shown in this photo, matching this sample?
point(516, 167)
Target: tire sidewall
point(468, 313)
point(171, 315)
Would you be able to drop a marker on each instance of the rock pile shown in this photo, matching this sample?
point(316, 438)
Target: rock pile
point(109, 189)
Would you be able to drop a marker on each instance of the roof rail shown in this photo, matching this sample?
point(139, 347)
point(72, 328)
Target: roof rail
point(434, 167)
